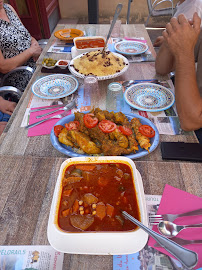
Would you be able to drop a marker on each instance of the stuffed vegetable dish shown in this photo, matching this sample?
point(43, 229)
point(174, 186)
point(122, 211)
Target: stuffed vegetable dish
point(101, 132)
point(93, 196)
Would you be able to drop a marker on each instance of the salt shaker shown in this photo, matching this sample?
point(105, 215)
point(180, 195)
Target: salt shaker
point(91, 91)
point(115, 97)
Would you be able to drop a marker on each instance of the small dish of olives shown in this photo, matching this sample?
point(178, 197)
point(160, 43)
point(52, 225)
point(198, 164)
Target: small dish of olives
point(49, 63)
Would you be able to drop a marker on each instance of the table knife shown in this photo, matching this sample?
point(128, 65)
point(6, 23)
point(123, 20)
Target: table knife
point(182, 242)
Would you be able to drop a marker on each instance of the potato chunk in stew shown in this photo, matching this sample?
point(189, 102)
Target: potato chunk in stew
point(81, 222)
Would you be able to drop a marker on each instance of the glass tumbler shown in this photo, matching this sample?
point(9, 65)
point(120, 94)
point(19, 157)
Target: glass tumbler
point(115, 97)
point(91, 91)
point(90, 30)
point(116, 30)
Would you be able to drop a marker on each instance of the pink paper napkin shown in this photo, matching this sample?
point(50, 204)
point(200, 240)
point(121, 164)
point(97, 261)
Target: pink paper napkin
point(45, 127)
point(176, 201)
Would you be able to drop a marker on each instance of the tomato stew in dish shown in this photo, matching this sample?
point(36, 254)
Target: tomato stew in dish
point(89, 43)
point(93, 196)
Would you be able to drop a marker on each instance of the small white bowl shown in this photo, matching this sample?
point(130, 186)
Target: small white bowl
point(99, 243)
point(51, 67)
point(64, 65)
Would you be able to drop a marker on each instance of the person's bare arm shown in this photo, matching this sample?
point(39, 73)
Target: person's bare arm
point(37, 50)
point(2, 126)
point(181, 38)
point(159, 41)
point(8, 64)
point(7, 106)
point(164, 63)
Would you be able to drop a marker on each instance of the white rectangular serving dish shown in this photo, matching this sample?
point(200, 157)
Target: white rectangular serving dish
point(75, 51)
point(97, 243)
point(90, 45)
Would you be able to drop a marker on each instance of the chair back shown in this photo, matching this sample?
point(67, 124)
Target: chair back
point(128, 12)
point(18, 77)
point(10, 93)
point(155, 9)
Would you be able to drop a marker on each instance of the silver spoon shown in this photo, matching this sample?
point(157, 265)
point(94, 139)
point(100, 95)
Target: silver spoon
point(187, 257)
point(170, 229)
point(127, 83)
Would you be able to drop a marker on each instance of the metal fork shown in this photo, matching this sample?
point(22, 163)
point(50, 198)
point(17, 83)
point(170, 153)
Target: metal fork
point(155, 219)
point(51, 117)
point(68, 107)
point(48, 107)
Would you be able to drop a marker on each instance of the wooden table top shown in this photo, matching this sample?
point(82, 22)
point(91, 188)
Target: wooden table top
point(27, 190)
point(130, 30)
point(14, 140)
point(29, 168)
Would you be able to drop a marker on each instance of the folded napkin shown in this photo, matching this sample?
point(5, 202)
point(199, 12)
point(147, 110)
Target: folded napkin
point(45, 127)
point(176, 201)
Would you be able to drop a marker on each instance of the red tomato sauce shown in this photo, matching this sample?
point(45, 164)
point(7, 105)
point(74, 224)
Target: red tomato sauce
point(89, 43)
point(93, 197)
point(62, 63)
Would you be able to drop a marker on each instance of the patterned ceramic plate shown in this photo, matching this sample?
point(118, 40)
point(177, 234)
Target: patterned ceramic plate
point(55, 86)
point(149, 97)
point(100, 78)
point(130, 47)
point(67, 150)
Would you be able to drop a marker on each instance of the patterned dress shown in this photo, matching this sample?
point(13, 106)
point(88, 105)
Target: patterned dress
point(14, 39)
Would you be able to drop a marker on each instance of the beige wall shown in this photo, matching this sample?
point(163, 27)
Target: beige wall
point(73, 9)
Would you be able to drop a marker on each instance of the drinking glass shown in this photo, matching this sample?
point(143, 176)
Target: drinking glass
point(114, 97)
point(91, 90)
point(90, 30)
point(116, 30)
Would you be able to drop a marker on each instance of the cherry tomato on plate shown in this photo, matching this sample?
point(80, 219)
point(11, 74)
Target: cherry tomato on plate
point(57, 130)
point(107, 126)
point(126, 130)
point(147, 131)
point(73, 125)
point(90, 120)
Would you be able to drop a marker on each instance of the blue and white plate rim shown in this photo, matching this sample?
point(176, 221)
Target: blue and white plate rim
point(131, 41)
point(50, 76)
point(69, 152)
point(145, 109)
